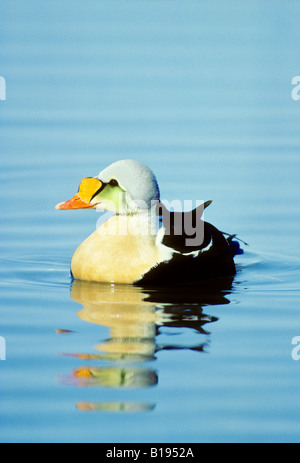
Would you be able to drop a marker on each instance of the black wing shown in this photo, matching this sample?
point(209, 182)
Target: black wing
point(201, 250)
point(184, 231)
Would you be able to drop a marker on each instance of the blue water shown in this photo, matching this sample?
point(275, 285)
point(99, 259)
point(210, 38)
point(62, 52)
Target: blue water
point(200, 92)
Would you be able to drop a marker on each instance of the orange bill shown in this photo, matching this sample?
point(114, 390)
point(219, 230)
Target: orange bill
point(88, 189)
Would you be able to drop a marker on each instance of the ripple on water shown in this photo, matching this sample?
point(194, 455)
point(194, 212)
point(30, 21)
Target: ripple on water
point(254, 271)
point(270, 271)
point(31, 270)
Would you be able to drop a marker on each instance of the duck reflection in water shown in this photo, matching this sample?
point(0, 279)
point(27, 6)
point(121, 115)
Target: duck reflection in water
point(135, 317)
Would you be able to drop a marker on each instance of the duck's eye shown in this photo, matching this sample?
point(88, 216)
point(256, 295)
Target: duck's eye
point(113, 182)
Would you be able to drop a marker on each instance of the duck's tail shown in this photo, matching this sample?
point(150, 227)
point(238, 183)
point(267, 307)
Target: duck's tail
point(234, 243)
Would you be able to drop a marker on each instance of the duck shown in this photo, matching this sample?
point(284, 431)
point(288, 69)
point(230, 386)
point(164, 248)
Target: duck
point(142, 242)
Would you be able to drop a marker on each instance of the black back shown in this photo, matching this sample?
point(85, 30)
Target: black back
point(201, 250)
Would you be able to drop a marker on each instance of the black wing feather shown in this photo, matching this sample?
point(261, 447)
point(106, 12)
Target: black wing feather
point(212, 258)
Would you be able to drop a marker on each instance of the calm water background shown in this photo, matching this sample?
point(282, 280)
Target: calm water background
point(201, 92)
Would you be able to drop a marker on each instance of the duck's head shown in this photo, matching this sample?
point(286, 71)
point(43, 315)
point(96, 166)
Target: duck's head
point(125, 187)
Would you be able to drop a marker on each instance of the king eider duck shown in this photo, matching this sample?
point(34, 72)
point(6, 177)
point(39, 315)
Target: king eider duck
point(142, 242)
